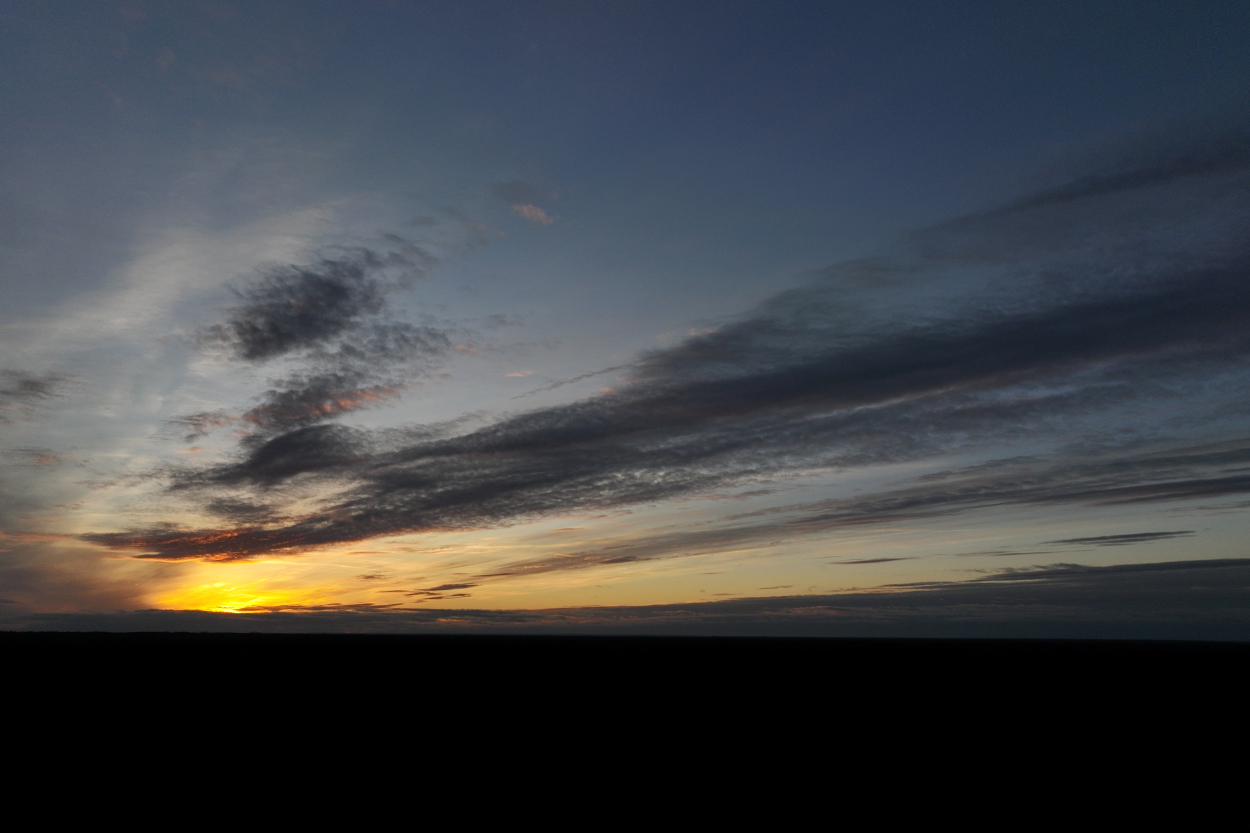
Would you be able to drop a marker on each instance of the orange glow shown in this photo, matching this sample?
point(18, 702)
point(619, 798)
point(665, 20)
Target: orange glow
point(230, 597)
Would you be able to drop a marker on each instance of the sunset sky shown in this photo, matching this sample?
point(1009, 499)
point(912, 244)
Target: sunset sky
point(377, 308)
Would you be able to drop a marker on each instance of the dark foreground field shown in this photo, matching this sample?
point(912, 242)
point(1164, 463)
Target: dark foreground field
point(439, 665)
point(864, 703)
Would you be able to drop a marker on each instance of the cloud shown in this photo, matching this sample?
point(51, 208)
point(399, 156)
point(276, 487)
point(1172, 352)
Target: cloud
point(201, 424)
point(328, 317)
point(433, 594)
point(873, 362)
point(1194, 600)
point(21, 392)
point(559, 383)
point(870, 560)
point(305, 399)
point(1122, 540)
point(38, 457)
point(298, 307)
point(533, 213)
point(1078, 478)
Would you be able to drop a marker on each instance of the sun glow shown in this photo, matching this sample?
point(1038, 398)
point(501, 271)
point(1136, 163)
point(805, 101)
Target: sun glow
point(244, 597)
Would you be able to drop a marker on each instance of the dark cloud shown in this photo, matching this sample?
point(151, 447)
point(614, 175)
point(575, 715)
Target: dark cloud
point(328, 317)
point(303, 451)
point(1073, 479)
point(871, 560)
point(364, 370)
point(433, 594)
point(21, 393)
point(304, 400)
point(871, 363)
point(1081, 572)
point(293, 307)
point(239, 511)
point(999, 553)
point(1123, 540)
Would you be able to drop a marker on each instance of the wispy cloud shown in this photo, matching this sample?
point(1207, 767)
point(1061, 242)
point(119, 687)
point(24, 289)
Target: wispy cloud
point(21, 392)
point(534, 214)
point(1124, 540)
point(882, 560)
point(1079, 478)
point(523, 196)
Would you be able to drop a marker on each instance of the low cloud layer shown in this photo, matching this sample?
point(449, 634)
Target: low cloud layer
point(1106, 306)
point(1204, 600)
point(1115, 477)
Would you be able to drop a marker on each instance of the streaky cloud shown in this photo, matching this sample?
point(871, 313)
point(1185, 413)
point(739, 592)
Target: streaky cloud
point(1195, 600)
point(1069, 479)
point(815, 379)
point(1126, 539)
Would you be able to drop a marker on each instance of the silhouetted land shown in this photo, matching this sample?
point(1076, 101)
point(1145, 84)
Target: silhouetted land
point(868, 706)
point(626, 662)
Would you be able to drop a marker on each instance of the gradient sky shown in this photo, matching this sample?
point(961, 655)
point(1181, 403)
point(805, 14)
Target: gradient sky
point(388, 306)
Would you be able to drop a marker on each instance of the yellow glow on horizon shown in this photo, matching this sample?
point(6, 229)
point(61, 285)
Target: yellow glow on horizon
point(230, 597)
point(519, 568)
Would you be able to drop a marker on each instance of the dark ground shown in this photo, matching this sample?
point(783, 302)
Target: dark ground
point(565, 706)
point(534, 663)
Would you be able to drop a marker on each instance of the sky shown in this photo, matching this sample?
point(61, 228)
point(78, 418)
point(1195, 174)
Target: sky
point(732, 317)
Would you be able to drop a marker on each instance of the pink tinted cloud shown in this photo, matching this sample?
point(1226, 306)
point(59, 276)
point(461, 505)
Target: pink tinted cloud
point(534, 214)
